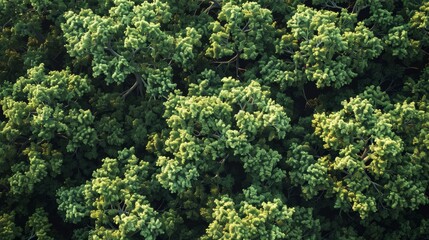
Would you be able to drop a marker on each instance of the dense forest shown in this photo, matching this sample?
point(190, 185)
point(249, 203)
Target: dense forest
point(214, 119)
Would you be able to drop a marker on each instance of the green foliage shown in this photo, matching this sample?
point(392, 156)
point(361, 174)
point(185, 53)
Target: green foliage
point(325, 47)
point(207, 131)
point(40, 108)
point(248, 31)
point(307, 172)
point(25, 39)
point(114, 197)
point(400, 44)
point(259, 218)
point(39, 226)
point(131, 40)
point(370, 168)
point(9, 230)
point(214, 119)
point(420, 19)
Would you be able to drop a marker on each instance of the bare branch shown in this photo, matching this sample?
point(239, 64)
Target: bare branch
point(137, 84)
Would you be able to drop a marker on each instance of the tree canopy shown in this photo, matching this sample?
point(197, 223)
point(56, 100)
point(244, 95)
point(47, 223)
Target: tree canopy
point(214, 119)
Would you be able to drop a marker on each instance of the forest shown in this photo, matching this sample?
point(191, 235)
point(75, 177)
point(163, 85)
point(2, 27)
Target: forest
point(214, 119)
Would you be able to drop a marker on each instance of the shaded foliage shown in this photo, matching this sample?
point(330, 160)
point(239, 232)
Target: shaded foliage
point(220, 119)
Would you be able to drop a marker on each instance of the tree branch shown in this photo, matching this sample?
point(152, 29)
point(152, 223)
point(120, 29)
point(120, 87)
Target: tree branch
point(228, 61)
point(137, 84)
point(4, 25)
point(110, 49)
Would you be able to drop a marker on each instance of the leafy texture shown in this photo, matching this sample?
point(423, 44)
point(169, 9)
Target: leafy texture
point(325, 47)
point(207, 131)
point(214, 119)
point(114, 198)
point(40, 108)
point(373, 166)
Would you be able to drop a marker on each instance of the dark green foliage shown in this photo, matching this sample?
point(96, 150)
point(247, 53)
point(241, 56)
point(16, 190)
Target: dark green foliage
point(214, 119)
